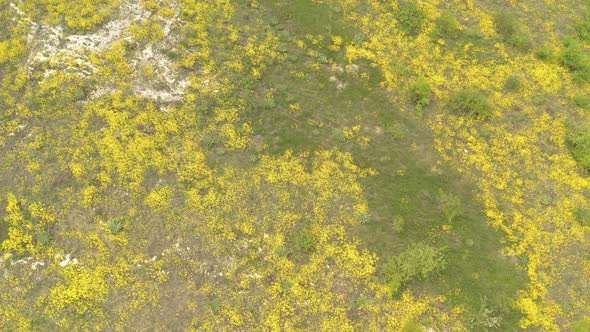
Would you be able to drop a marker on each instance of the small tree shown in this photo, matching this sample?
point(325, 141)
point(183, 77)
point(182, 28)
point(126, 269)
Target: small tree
point(421, 92)
point(450, 205)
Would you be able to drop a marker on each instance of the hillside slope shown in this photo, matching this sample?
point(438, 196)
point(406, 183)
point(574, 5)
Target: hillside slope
point(294, 165)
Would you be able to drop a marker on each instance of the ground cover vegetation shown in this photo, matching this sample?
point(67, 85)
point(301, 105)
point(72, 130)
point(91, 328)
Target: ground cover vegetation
point(294, 165)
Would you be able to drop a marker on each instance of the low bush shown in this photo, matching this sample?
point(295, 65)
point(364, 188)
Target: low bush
point(513, 84)
point(582, 326)
point(420, 92)
point(582, 216)
point(583, 28)
point(579, 141)
point(410, 18)
point(115, 226)
point(576, 61)
point(446, 27)
point(450, 204)
point(583, 102)
point(419, 261)
point(544, 54)
point(470, 102)
point(511, 32)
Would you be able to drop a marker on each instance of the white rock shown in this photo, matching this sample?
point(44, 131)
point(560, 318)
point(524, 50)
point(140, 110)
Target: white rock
point(36, 264)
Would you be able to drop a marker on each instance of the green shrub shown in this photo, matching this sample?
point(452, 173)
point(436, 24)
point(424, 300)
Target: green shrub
point(579, 141)
point(397, 130)
point(412, 326)
point(505, 23)
point(338, 135)
point(450, 204)
point(486, 318)
point(582, 216)
point(446, 27)
point(583, 28)
point(282, 251)
point(582, 326)
point(210, 141)
point(359, 38)
point(513, 84)
point(410, 18)
point(419, 261)
point(397, 223)
point(544, 54)
point(421, 92)
point(115, 226)
point(302, 245)
point(521, 41)
point(42, 237)
point(511, 32)
point(470, 102)
point(147, 31)
point(582, 102)
point(365, 218)
point(576, 61)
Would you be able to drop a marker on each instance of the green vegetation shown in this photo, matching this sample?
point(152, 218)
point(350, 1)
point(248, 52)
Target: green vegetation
point(544, 54)
point(418, 261)
point(470, 102)
point(583, 102)
point(511, 31)
point(579, 139)
point(410, 17)
point(421, 93)
point(574, 58)
point(294, 165)
point(450, 205)
point(115, 226)
point(582, 215)
point(447, 27)
point(513, 84)
point(583, 28)
point(582, 326)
